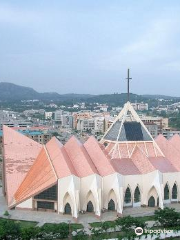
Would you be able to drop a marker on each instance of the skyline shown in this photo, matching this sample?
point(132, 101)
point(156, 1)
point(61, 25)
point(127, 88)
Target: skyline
point(80, 47)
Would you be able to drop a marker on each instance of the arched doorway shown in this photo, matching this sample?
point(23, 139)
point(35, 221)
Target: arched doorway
point(137, 195)
point(90, 207)
point(111, 205)
point(166, 192)
point(67, 209)
point(151, 202)
point(174, 192)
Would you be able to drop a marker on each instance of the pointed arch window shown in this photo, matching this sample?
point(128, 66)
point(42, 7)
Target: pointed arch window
point(166, 192)
point(127, 198)
point(174, 192)
point(67, 209)
point(111, 205)
point(90, 207)
point(137, 195)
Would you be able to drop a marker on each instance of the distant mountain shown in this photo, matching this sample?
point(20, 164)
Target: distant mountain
point(10, 92)
point(13, 92)
point(159, 97)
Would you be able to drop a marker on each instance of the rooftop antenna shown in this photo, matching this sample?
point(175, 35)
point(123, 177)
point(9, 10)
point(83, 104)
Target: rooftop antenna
point(128, 80)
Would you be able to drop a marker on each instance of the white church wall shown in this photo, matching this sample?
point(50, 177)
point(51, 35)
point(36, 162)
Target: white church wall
point(171, 179)
point(152, 186)
point(68, 192)
point(132, 181)
point(113, 189)
point(91, 191)
point(28, 204)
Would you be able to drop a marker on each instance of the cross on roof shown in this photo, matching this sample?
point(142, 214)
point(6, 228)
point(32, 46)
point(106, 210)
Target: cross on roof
point(128, 79)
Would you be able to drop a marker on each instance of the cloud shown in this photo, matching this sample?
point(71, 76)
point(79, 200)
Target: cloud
point(151, 46)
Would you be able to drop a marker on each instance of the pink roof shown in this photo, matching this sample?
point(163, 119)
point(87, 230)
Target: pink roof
point(162, 164)
point(40, 177)
point(125, 150)
point(100, 160)
point(80, 158)
point(125, 166)
point(60, 160)
point(175, 141)
point(170, 152)
point(19, 155)
point(141, 161)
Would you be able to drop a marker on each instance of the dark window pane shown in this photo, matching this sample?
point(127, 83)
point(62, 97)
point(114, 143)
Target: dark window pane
point(166, 192)
point(45, 205)
point(127, 198)
point(49, 194)
point(174, 192)
point(133, 131)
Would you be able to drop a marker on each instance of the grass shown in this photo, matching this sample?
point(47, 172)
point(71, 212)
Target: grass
point(112, 223)
point(74, 226)
point(23, 224)
point(98, 224)
point(147, 218)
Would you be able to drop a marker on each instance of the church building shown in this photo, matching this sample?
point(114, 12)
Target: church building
point(127, 168)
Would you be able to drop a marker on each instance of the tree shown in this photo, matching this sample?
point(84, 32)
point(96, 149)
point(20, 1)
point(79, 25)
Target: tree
point(167, 217)
point(128, 224)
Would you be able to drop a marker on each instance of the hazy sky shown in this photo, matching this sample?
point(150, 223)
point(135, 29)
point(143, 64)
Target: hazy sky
point(86, 46)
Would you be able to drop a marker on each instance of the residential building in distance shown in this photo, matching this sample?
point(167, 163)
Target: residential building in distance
point(140, 106)
point(169, 132)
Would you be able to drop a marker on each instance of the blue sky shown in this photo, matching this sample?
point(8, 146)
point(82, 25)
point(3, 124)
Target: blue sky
point(87, 46)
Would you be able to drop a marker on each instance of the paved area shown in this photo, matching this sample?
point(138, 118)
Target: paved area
point(85, 219)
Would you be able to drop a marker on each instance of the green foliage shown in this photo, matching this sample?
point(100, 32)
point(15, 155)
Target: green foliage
point(62, 229)
point(167, 217)
point(128, 224)
point(9, 230)
point(29, 233)
point(6, 213)
point(80, 235)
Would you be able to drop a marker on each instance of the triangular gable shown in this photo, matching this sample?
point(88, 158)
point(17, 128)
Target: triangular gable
point(175, 141)
point(19, 153)
point(141, 161)
point(100, 160)
point(127, 127)
point(60, 159)
point(169, 150)
point(40, 177)
point(80, 158)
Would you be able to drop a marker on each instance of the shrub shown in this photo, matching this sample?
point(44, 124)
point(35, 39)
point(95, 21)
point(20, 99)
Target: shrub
point(9, 230)
point(129, 223)
point(6, 213)
point(167, 217)
point(29, 233)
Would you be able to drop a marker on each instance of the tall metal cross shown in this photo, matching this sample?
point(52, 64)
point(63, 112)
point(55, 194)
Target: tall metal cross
point(128, 80)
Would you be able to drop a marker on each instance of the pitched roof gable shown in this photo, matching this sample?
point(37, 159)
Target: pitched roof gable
point(80, 158)
point(20, 153)
point(141, 161)
point(40, 177)
point(100, 160)
point(60, 159)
